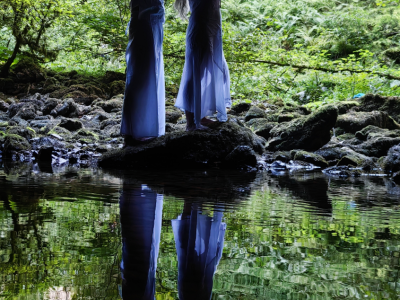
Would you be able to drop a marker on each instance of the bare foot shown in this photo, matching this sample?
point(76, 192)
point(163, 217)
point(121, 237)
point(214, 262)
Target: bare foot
point(206, 121)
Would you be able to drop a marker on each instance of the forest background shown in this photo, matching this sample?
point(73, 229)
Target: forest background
point(308, 51)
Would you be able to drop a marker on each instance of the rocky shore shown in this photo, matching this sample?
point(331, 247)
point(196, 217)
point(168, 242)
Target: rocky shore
point(56, 119)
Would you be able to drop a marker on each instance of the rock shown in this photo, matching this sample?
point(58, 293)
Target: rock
point(113, 131)
point(377, 142)
point(70, 124)
point(17, 121)
point(49, 105)
point(46, 141)
point(396, 177)
point(117, 87)
point(59, 131)
point(345, 106)
point(370, 131)
point(26, 132)
point(391, 163)
point(66, 109)
point(265, 130)
point(333, 151)
point(14, 109)
point(13, 142)
point(355, 121)
point(111, 76)
point(109, 122)
point(391, 105)
point(86, 136)
point(254, 112)
point(256, 123)
point(342, 171)
point(185, 149)
point(308, 133)
point(4, 106)
point(110, 105)
point(27, 111)
point(239, 108)
point(241, 156)
point(354, 159)
point(172, 114)
point(315, 159)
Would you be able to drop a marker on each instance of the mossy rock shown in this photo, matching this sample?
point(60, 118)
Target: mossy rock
point(354, 159)
point(355, 121)
point(3, 123)
point(256, 123)
point(26, 132)
point(86, 135)
point(112, 76)
point(62, 132)
point(345, 136)
point(315, 159)
point(14, 142)
point(391, 105)
point(308, 133)
point(240, 108)
point(254, 112)
point(172, 114)
point(345, 106)
point(265, 130)
point(117, 87)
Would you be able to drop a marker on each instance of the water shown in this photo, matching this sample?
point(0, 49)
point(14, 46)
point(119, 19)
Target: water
point(294, 236)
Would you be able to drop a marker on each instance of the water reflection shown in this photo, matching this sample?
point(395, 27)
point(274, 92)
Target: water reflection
point(141, 217)
point(199, 240)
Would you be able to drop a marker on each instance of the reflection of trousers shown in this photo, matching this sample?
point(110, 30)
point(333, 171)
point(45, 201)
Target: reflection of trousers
point(199, 242)
point(141, 217)
point(143, 113)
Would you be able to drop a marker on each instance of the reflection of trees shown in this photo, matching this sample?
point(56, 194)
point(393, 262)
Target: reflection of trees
point(50, 237)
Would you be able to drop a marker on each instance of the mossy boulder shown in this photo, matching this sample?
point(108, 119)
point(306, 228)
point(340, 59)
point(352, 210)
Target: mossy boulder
point(14, 142)
point(81, 93)
point(265, 130)
point(114, 104)
point(355, 121)
point(112, 76)
point(61, 132)
point(26, 132)
point(315, 159)
point(345, 106)
point(391, 105)
point(254, 112)
point(308, 133)
point(27, 70)
point(117, 87)
point(354, 159)
point(186, 149)
point(172, 114)
point(256, 123)
point(240, 108)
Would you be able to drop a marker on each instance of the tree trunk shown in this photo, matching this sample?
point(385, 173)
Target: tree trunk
point(6, 68)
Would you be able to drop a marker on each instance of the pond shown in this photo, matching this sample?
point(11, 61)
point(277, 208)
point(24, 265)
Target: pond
point(97, 234)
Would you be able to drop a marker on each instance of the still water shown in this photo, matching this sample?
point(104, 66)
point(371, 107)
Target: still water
point(96, 234)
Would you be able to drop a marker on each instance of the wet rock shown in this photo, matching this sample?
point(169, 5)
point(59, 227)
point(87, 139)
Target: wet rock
point(109, 122)
point(354, 159)
point(390, 105)
point(345, 106)
point(240, 157)
point(14, 109)
point(312, 158)
point(284, 156)
point(70, 124)
point(172, 114)
point(256, 123)
point(27, 111)
point(48, 125)
point(46, 141)
point(377, 143)
point(66, 109)
point(355, 121)
point(185, 149)
point(254, 112)
point(17, 121)
point(343, 171)
point(26, 132)
point(309, 133)
point(391, 163)
point(345, 137)
point(239, 108)
point(13, 142)
point(113, 131)
point(4, 106)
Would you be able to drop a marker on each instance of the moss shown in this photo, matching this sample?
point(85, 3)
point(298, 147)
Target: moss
point(345, 106)
point(65, 133)
point(26, 132)
point(346, 136)
point(312, 158)
point(15, 142)
point(86, 136)
point(3, 124)
point(32, 131)
point(355, 121)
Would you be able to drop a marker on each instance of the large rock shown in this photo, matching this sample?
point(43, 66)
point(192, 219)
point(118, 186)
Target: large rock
point(13, 142)
point(110, 105)
point(188, 149)
point(392, 162)
point(391, 105)
point(355, 121)
point(315, 159)
point(22, 131)
point(254, 112)
point(309, 133)
point(4, 106)
point(70, 124)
